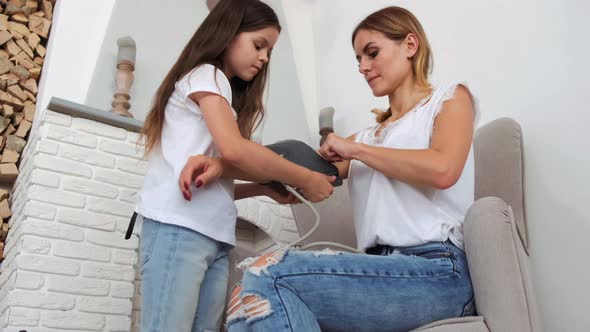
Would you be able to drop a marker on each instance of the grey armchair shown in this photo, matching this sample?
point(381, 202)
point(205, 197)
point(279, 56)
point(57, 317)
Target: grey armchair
point(495, 232)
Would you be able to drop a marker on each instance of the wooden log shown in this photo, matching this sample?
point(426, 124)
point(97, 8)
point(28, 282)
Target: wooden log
point(3, 233)
point(25, 47)
point(35, 73)
point(4, 123)
point(3, 22)
point(15, 143)
point(18, 28)
point(12, 9)
point(8, 173)
point(33, 40)
point(39, 25)
point(23, 129)
point(29, 111)
point(30, 96)
point(9, 156)
point(16, 91)
point(24, 60)
point(7, 111)
point(40, 49)
point(20, 18)
point(4, 194)
point(5, 209)
point(10, 130)
point(30, 85)
point(18, 3)
point(24, 74)
point(4, 37)
point(47, 7)
point(17, 118)
point(12, 48)
point(10, 78)
point(32, 4)
point(5, 65)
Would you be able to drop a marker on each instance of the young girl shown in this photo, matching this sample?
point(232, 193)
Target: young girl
point(208, 104)
point(411, 181)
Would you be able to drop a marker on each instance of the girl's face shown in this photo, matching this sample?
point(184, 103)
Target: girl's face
point(249, 52)
point(384, 63)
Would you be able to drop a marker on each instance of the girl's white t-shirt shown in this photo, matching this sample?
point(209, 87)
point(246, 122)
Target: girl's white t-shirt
point(211, 211)
point(391, 212)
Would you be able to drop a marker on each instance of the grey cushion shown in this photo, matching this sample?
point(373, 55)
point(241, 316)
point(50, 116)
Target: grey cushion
point(463, 324)
point(499, 167)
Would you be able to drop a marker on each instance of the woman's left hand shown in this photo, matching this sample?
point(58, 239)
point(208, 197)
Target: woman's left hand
point(336, 148)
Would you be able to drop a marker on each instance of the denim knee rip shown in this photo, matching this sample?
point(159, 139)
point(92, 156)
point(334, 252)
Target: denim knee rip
point(249, 306)
point(257, 265)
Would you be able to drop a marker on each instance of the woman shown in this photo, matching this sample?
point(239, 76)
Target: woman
point(411, 181)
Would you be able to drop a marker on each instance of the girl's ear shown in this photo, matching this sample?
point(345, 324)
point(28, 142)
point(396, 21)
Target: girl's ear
point(411, 43)
point(211, 4)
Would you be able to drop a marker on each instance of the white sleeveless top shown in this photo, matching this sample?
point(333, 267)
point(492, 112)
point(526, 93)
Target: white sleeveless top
point(211, 211)
point(391, 212)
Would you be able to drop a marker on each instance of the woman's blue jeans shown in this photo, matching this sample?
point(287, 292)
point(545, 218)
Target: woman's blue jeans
point(394, 289)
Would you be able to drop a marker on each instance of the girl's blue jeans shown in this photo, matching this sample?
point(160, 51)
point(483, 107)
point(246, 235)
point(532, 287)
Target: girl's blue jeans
point(184, 279)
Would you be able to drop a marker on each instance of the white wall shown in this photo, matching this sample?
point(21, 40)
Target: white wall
point(524, 59)
point(77, 32)
point(298, 19)
point(161, 38)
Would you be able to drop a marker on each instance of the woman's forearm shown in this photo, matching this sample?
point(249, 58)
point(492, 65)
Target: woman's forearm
point(420, 167)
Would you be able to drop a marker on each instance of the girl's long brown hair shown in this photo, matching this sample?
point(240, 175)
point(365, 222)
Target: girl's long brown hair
point(208, 46)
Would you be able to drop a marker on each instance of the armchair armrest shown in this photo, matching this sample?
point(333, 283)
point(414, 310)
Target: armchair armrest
point(498, 266)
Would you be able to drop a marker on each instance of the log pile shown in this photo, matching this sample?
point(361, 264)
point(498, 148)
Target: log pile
point(24, 31)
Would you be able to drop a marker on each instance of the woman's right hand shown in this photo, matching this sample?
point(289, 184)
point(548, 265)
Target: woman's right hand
point(318, 187)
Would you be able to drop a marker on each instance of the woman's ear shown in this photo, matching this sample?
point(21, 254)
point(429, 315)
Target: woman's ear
point(411, 44)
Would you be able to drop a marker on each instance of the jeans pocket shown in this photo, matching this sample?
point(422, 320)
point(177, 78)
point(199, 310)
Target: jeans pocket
point(469, 308)
point(148, 238)
point(445, 259)
point(437, 254)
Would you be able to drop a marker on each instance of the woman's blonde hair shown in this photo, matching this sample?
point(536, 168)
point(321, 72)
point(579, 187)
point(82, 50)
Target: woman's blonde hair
point(396, 23)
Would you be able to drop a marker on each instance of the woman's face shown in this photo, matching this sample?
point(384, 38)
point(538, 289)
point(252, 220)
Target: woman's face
point(249, 52)
point(384, 63)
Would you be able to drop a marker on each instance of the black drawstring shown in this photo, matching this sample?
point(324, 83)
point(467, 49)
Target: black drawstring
point(131, 225)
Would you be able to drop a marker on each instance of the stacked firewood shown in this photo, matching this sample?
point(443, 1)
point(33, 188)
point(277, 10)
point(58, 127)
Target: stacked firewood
point(24, 30)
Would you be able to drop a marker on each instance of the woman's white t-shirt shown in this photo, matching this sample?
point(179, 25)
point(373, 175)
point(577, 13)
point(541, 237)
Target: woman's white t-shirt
point(391, 212)
point(211, 211)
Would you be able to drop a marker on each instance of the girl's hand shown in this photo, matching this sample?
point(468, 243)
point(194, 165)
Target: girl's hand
point(280, 195)
point(199, 170)
point(318, 187)
point(336, 148)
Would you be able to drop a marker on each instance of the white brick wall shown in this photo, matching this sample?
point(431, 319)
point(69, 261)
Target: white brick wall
point(67, 265)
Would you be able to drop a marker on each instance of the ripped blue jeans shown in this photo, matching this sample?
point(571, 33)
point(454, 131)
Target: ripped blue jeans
point(389, 290)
